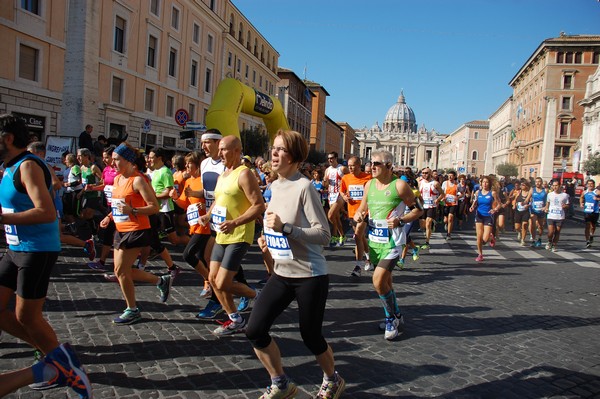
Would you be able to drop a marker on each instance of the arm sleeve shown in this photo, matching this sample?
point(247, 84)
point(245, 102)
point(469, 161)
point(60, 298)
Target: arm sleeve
point(318, 232)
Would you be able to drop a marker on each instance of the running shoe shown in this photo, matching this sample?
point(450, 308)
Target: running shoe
point(549, 246)
point(538, 243)
point(341, 241)
point(368, 266)
point(588, 244)
point(415, 254)
point(206, 291)
point(333, 241)
point(518, 236)
point(523, 243)
point(174, 272)
point(400, 264)
point(448, 237)
point(391, 328)
point(129, 316)
point(331, 389)
point(111, 277)
point(69, 371)
point(554, 249)
point(492, 241)
point(273, 392)
point(212, 310)
point(356, 271)
point(591, 239)
point(244, 304)
point(96, 266)
point(230, 327)
point(425, 246)
point(164, 286)
point(90, 249)
point(479, 258)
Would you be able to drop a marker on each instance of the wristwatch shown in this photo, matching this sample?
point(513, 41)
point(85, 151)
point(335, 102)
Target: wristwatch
point(286, 229)
point(134, 211)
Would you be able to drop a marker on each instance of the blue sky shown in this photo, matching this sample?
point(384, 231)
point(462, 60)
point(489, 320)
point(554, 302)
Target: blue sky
point(452, 59)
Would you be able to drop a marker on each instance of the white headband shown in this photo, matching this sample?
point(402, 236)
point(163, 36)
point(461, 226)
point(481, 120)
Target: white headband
point(214, 136)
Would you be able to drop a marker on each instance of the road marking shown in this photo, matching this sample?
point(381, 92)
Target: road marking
point(534, 257)
point(578, 260)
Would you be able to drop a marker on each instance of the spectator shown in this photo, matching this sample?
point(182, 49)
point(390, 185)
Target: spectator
point(85, 138)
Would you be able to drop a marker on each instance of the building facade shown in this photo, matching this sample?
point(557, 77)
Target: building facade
point(410, 145)
point(127, 67)
point(296, 99)
point(499, 137)
point(547, 89)
point(464, 150)
point(590, 138)
point(318, 118)
point(350, 144)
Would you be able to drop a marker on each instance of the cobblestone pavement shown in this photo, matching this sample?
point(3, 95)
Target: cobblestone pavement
point(523, 324)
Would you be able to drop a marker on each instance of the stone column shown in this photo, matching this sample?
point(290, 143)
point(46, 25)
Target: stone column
point(547, 155)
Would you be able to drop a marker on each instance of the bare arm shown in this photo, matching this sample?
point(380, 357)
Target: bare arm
point(247, 182)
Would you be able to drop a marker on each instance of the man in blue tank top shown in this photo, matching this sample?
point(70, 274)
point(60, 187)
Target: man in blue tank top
point(590, 202)
point(31, 230)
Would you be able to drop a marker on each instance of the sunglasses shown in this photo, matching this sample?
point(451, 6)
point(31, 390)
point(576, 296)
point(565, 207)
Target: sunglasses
point(378, 164)
point(330, 158)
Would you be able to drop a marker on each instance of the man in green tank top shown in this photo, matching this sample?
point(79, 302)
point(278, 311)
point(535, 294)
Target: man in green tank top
point(385, 202)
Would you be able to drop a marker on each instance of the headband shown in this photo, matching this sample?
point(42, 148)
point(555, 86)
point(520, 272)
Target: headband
point(126, 153)
point(214, 136)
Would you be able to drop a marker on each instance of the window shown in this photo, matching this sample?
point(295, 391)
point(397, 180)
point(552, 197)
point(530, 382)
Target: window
point(117, 90)
point(475, 135)
point(207, 80)
point(564, 129)
point(561, 151)
point(229, 59)
point(566, 103)
point(192, 111)
point(149, 100)
point(194, 73)
point(33, 6)
point(568, 82)
point(560, 57)
point(260, 81)
point(170, 106)
point(175, 18)
point(578, 58)
point(253, 76)
point(247, 70)
point(119, 35)
point(172, 62)
point(239, 65)
point(196, 33)
point(569, 58)
point(155, 7)
point(596, 58)
point(209, 43)
point(28, 62)
point(169, 141)
point(152, 44)
point(212, 5)
point(474, 155)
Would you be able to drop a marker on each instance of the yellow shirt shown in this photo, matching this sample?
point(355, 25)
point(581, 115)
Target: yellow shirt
point(230, 203)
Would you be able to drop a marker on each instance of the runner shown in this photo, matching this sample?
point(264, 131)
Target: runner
point(132, 201)
point(464, 198)
point(385, 201)
point(486, 202)
point(558, 203)
point(238, 202)
point(352, 190)
point(539, 196)
point(451, 196)
point(521, 201)
point(296, 230)
point(31, 231)
point(431, 193)
point(332, 180)
point(589, 201)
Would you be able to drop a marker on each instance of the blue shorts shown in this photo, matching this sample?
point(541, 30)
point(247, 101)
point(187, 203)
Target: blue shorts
point(486, 220)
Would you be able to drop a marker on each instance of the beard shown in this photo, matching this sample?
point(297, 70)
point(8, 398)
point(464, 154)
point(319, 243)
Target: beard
point(3, 151)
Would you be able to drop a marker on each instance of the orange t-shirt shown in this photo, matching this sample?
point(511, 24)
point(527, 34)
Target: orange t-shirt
point(450, 193)
point(355, 188)
point(192, 213)
point(123, 192)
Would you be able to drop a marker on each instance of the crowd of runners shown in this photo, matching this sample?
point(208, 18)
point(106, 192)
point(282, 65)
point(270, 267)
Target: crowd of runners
point(215, 203)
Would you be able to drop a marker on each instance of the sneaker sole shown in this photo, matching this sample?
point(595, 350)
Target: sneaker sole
point(127, 322)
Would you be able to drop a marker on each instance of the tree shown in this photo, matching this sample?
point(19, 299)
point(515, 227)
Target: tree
point(592, 164)
point(255, 142)
point(507, 169)
point(316, 157)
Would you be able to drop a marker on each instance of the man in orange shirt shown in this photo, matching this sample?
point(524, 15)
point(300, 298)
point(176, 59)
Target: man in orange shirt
point(352, 190)
point(451, 197)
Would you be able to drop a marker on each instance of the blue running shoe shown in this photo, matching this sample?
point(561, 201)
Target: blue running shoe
point(164, 286)
point(212, 310)
point(415, 253)
point(129, 316)
point(244, 303)
point(69, 371)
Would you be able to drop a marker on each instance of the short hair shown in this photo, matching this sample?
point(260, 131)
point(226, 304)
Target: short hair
point(451, 172)
point(295, 144)
point(194, 157)
point(102, 137)
point(158, 152)
point(109, 150)
point(37, 147)
point(591, 180)
point(16, 126)
point(178, 162)
point(335, 154)
point(385, 156)
point(84, 152)
point(88, 126)
point(462, 177)
point(356, 159)
point(71, 158)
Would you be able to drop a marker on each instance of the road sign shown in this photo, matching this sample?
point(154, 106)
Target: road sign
point(195, 126)
point(181, 117)
point(147, 125)
point(531, 170)
point(461, 169)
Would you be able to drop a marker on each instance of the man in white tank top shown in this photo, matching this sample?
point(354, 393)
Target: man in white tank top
point(432, 194)
point(333, 180)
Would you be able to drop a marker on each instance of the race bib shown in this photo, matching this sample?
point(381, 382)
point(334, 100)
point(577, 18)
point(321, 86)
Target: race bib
point(278, 244)
point(333, 197)
point(450, 198)
point(521, 207)
point(588, 207)
point(218, 216)
point(210, 198)
point(164, 205)
point(538, 205)
point(118, 217)
point(10, 230)
point(356, 191)
point(108, 194)
point(378, 231)
point(192, 214)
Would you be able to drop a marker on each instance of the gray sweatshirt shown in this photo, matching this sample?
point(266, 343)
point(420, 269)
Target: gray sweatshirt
point(298, 203)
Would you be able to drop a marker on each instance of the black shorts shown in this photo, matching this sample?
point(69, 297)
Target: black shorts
point(450, 210)
point(429, 213)
point(178, 210)
point(71, 204)
point(462, 209)
point(521, 216)
point(27, 273)
point(229, 255)
point(132, 239)
point(92, 203)
point(167, 221)
point(486, 220)
point(591, 218)
point(555, 222)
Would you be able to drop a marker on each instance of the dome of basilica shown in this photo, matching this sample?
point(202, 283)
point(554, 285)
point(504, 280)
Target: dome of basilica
point(400, 118)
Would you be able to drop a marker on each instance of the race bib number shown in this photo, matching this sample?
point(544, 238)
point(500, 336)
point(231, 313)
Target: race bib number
point(10, 230)
point(333, 197)
point(538, 205)
point(278, 244)
point(192, 214)
point(521, 207)
point(210, 198)
point(356, 191)
point(378, 231)
point(108, 194)
point(118, 217)
point(218, 216)
point(450, 199)
point(588, 207)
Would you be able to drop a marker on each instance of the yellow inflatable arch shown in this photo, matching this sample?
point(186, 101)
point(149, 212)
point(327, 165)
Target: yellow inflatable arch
point(233, 97)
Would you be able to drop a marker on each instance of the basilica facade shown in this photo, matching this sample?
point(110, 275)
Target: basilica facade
point(410, 145)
